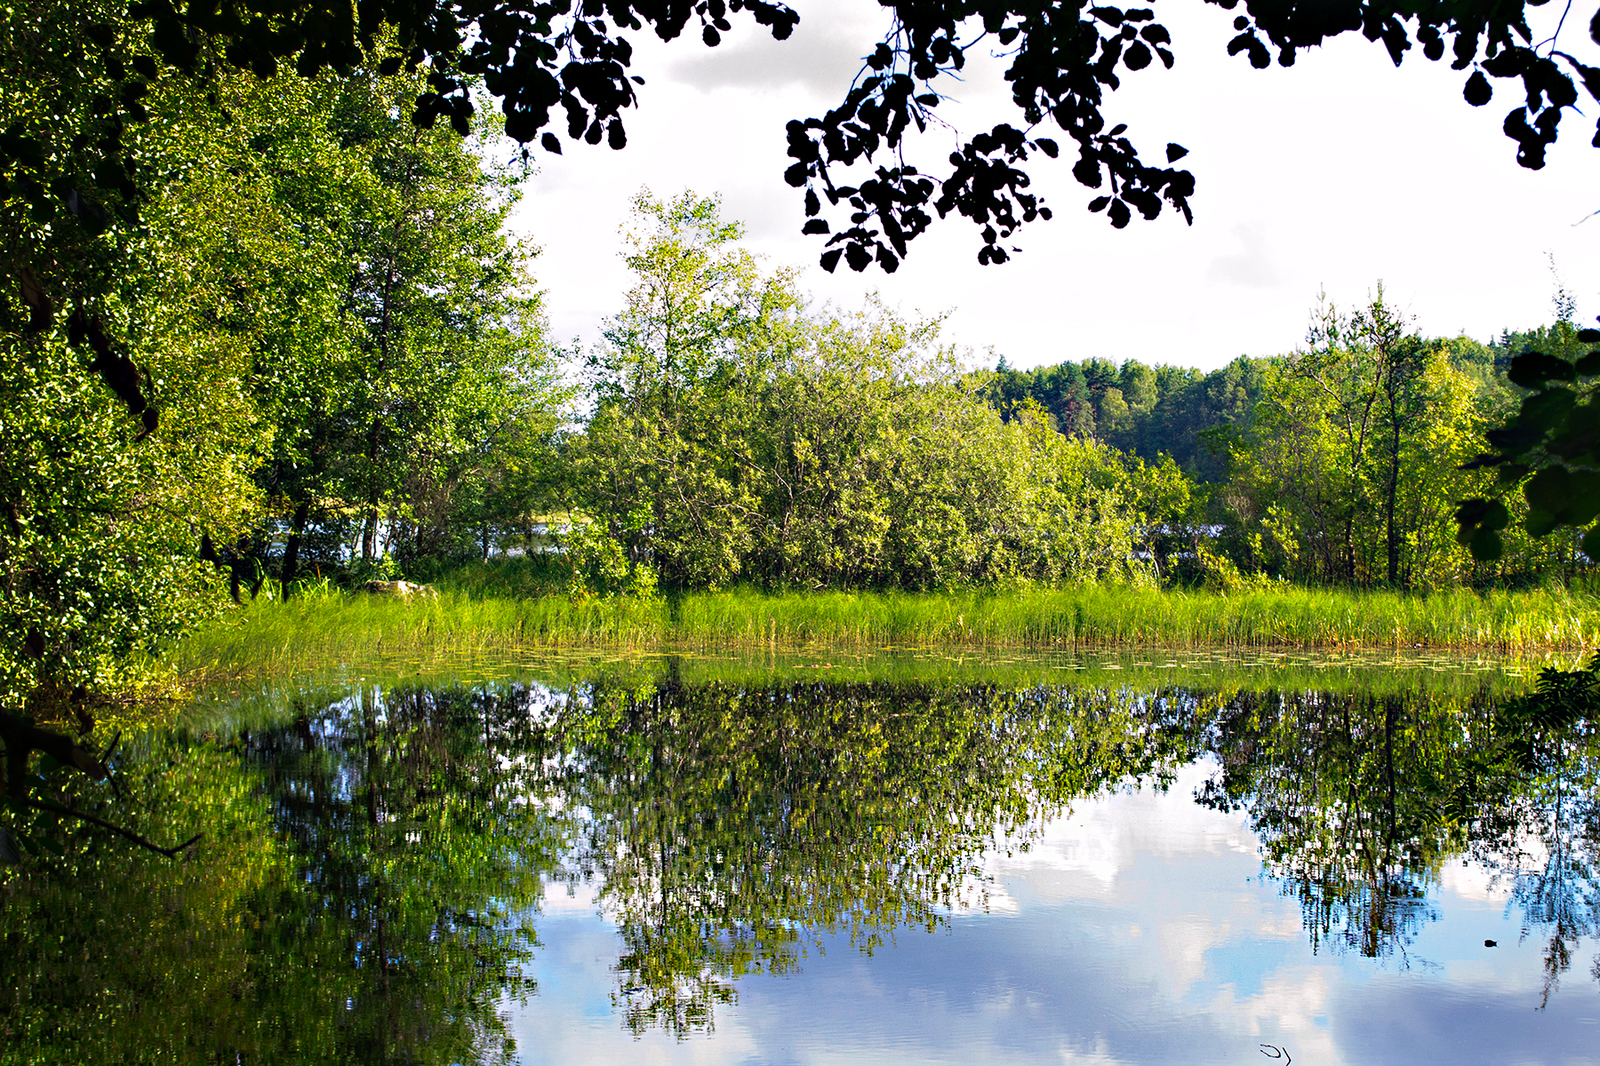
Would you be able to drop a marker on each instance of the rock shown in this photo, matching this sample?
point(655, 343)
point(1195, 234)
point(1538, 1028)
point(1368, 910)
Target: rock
point(405, 590)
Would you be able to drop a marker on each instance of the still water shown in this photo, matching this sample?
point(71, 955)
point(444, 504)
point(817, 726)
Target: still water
point(645, 865)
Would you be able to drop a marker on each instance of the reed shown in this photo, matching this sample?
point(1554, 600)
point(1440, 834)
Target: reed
point(1117, 615)
point(323, 630)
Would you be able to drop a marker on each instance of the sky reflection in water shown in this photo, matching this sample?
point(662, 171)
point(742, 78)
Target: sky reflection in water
point(1137, 929)
point(694, 870)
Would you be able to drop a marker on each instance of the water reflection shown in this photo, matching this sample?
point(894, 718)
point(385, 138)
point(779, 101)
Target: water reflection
point(372, 880)
point(421, 862)
point(363, 894)
point(1360, 801)
point(730, 828)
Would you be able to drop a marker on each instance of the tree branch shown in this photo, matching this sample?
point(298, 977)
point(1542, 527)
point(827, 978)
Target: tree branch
point(128, 834)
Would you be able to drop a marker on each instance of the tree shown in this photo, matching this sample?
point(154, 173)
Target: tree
point(1367, 366)
point(1360, 800)
point(247, 294)
point(1350, 464)
point(729, 827)
point(364, 892)
point(738, 437)
point(106, 503)
point(435, 348)
point(662, 462)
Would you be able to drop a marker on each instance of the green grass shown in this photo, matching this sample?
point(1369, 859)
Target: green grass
point(1112, 615)
point(324, 630)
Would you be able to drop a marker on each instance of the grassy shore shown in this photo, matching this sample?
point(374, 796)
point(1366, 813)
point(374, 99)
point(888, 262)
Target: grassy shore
point(323, 628)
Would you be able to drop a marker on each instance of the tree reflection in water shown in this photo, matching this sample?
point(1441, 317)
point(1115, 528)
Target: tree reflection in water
point(362, 895)
point(731, 829)
point(367, 889)
point(425, 860)
point(1360, 801)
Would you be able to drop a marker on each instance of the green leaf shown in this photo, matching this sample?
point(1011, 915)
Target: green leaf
point(1583, 499)
point(1539, 523)
point(1591, 543)
point(1486, 546)
point(1549, 490)
point(1532, 369)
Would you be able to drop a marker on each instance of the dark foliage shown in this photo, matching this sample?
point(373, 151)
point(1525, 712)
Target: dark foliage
point(1551, 447)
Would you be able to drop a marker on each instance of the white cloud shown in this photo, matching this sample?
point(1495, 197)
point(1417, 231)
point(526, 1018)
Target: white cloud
point(824, 52)
point(1252, 266)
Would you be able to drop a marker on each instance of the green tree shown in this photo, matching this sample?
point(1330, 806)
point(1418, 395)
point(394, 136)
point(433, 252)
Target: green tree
point(1354, 450)
point(1547, 449)
point(1361, 800)
point(731, 827)
point(107, 494)
point(402, 357)
point(363, 892)
point(737, 436)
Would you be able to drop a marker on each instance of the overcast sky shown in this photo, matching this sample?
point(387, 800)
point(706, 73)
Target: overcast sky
point(1331, 175)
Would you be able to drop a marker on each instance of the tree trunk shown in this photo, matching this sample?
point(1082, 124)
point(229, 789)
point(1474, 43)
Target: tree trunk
point(1389, 500)
point(291, 550)
point(369, 526)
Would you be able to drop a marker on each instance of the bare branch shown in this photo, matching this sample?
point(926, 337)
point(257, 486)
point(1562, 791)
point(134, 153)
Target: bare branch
point(128, 834)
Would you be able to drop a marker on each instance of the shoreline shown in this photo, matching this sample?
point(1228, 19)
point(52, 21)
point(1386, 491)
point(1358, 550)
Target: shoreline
point(330, 627)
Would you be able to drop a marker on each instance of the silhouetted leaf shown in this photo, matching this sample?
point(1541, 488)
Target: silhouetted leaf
point(1591, 544)
point(1478, 91)
point(1486, 546)
point(1532, 369)
point(1548, 489)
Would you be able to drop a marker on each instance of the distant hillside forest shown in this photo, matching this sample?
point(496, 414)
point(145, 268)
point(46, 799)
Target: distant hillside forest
point(1190, 414)
point(1334, 463)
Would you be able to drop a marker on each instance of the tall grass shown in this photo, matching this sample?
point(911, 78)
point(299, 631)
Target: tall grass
point(1113, 615)
point(324, 629)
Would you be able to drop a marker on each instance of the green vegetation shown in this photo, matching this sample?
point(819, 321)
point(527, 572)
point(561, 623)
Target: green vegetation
point(739, 438)
point(749, 470)
point(269, 332)
point(319, 310)
point(380, 920)
point(265, 339)
point(331, 634)
point(1337, 464)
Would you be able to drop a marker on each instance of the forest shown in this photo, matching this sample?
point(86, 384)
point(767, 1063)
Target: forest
point(303, 347)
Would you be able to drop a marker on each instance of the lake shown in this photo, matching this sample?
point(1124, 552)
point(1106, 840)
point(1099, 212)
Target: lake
point(1158, 859)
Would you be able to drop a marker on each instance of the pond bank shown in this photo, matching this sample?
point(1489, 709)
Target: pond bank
point(325, 628)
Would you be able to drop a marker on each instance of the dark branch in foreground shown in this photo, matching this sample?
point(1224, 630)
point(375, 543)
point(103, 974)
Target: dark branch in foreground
point(22, 736)
point(127, 834)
